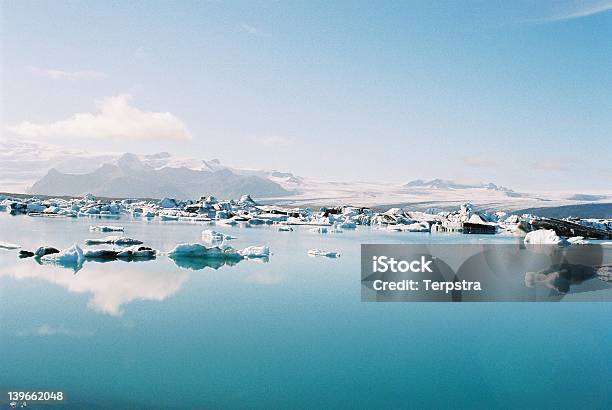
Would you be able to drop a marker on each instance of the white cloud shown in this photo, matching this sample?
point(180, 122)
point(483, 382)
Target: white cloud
point(480, 160)
point(580, 9)
point(249, 28)
point(271, 140)
point(116, 118)
point(55, 74)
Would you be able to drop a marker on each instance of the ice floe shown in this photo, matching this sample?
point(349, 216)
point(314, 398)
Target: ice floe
point(319, 252)
point(9, 246)
point(106, 228)
point(255, 252)
point(198, 250)
point(70, 257)
point(545, 237)
point(214, 237)
point(113, 240)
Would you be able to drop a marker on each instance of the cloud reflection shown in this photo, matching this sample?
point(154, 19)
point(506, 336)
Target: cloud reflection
point(110, 289)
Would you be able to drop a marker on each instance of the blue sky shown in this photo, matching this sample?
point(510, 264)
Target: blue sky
point(519, 93)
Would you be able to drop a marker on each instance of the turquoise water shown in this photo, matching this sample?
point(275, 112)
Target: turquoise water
point(289, 333)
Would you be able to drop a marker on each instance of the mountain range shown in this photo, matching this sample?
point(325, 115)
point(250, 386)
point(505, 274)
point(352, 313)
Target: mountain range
point(39, 168)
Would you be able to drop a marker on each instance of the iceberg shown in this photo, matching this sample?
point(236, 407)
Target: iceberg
point(255, 252)
point(71, 257)
point(113, 240)
point(214, 237)
point(106, 228)
point(45, 250)
point(137, 252)
point(198, 250)
point(413, 227)
point(545, 237)
point(347, 224)
point(108, 254)
point(9, 246)
point(578, 240)
point(319, 252)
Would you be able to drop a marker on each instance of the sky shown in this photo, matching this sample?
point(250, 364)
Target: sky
point(518, 93)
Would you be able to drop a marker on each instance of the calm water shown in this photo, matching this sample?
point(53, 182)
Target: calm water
point(288, 333)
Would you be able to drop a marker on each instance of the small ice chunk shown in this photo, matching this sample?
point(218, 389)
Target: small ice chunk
point(228, 222)
point(320, 229)
point(7, 245)
point(208, 235)
point(578, 240)
point(255, 252)
point(106, 228)
point(113, 240)
point(545, 237)
point(319, 252)
point(285, 228)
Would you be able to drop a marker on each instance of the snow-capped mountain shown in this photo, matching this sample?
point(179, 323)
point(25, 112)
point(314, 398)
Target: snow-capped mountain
point(129, 176)
point(45, 169)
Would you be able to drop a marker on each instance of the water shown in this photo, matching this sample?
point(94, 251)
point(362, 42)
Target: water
point(288, 333)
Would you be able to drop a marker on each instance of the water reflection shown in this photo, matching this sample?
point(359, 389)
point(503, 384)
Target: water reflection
point(194, 263)
point(109, 289)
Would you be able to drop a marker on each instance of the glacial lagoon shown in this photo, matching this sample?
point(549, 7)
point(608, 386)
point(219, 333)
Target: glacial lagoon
point(287, 332)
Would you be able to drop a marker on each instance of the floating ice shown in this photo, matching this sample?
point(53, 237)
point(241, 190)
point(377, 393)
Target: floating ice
point(7, 245)
point(137, 252)
point(578, 240)
point(320, 229)
point(45, 250)
point(113, 240)
point(414, 227)
point(71, 257)
point(255, 252)
point(319, 252)
point(545, 237)
point(285, 228)
point(106, 228)
point(198, 250)
point(214, 237)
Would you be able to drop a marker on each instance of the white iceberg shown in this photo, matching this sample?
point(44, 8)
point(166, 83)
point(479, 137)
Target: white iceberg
point(413, 227)
point(7, 245)
point(255, 252)
point(106, 228)
point(113, 240)
point(578, 240)
point(545, 237)
point(72, 256)
point(211, 236)
point(319, 252)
